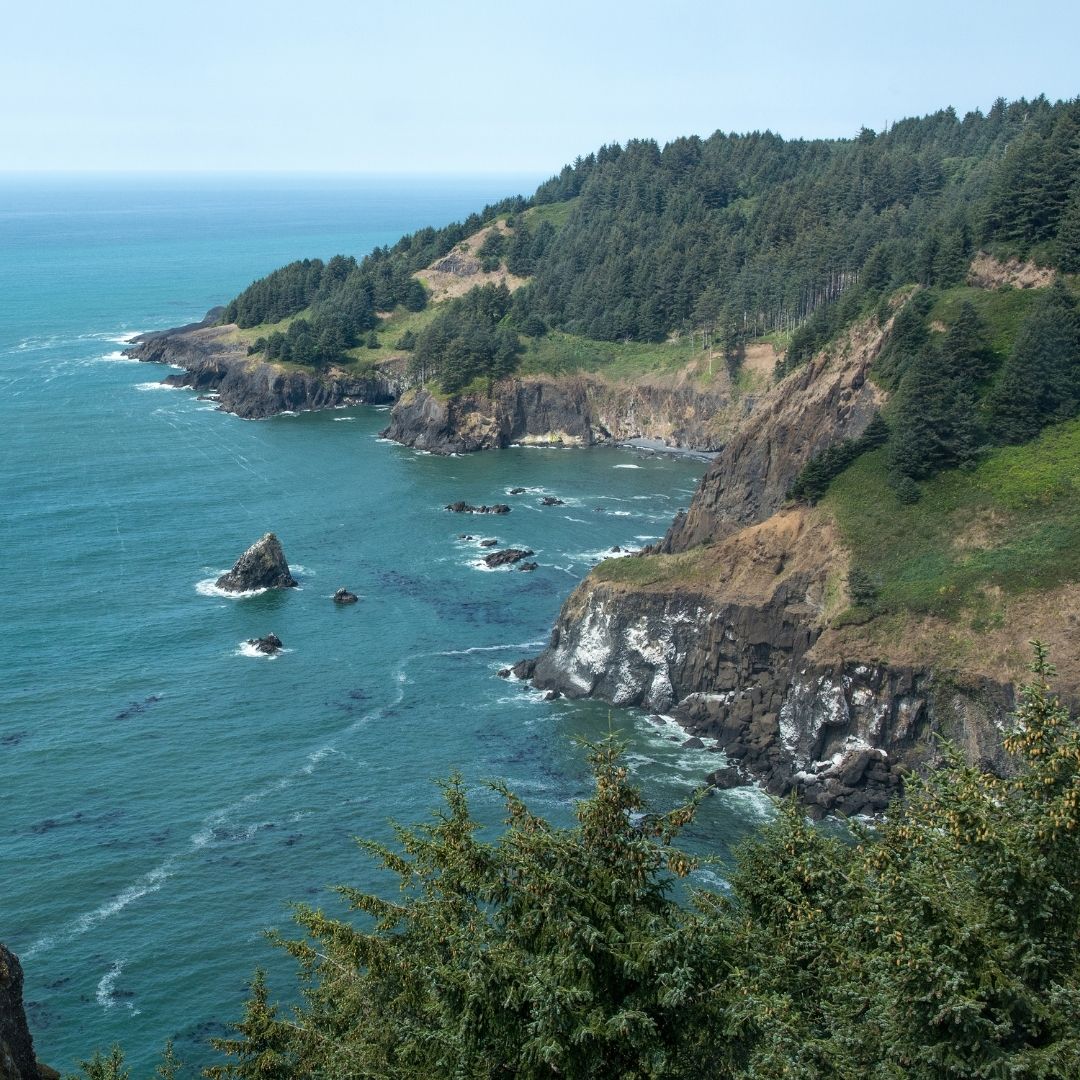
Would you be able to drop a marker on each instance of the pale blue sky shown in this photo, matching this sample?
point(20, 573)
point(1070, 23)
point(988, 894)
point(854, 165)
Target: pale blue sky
point(478, 86)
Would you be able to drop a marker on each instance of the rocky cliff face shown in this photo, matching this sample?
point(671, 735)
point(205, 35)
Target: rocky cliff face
point(829, 399)
point(566, 411)
point(17, 1060)
point(728, 641)
point(251, 388)
point(726, 624)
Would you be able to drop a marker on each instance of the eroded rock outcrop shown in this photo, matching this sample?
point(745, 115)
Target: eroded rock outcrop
point(262, 566)
point(565, 411)
point(269, 645)
point(17, 1060)
point(507, 557)
point(828, 399)
point(727, 625)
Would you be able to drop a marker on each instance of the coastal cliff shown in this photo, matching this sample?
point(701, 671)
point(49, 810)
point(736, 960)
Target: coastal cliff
point(251, 388)
point(543, 410)
point(564, 411)
point(739, 623)
point(731, 640)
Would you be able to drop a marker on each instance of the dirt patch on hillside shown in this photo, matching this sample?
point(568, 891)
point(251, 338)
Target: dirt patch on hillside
point(760, 358)
point(459, 270)
point(986, 272)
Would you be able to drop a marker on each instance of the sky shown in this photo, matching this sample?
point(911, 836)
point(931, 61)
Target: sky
point(475, 86)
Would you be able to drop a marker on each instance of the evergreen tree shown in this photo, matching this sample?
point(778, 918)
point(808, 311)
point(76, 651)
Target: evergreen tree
point(549, 952)
point(1040, 381)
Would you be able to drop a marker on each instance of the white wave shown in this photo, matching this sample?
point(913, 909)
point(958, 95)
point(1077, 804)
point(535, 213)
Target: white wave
point(620, 513)
point(208, 587)
point(709, 879)
point(344, 419)
point(580, 521)
point(150, 882)
point(118, 356)
point(383, 408)
point(491, 648)
point(646, 539)
point(125, 338)
point(105, 994)
point(752, 802)
point(626, 466)
point(157, 386)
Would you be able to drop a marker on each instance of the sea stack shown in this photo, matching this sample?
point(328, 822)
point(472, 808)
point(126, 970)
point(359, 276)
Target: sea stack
point(262, 566)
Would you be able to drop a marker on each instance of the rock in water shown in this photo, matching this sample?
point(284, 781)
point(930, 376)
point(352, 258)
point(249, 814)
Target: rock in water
point(269, 644)
point(262, 566)
point(343, 596)
point(462, 507)
point(550, 500)
point(507, 557)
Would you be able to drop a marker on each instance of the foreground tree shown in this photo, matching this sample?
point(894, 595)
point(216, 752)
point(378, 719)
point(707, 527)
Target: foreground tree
point(944, 943)
point(548, 952)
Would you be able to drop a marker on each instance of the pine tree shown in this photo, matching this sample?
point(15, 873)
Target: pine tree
point(549, 952)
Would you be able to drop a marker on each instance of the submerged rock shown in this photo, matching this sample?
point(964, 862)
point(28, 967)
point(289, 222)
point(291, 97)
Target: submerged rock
point(262, 566)
point(528, 566)
point(550, 500)
point(489, 543)
point(517, 491)
point(462, 507)
point(343, 596)
point(507, 557)
point(269, 644)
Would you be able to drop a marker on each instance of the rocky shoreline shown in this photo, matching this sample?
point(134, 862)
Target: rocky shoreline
point(250, 388)
point(566, 411)
point(562, 411)
point(725, 626)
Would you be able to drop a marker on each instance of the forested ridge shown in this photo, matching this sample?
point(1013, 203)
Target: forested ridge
point(732, 235)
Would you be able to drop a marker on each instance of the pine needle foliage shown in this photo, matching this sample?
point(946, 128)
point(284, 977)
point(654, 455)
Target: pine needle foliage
point(547, 952)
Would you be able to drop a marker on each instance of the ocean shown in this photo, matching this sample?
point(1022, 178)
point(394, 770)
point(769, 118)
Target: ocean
point(166, 792)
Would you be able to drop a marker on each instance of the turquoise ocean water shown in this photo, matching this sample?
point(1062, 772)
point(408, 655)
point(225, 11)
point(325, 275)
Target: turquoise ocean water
point(164, 795)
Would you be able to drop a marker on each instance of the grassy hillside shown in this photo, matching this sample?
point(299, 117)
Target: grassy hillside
point(1009, 525)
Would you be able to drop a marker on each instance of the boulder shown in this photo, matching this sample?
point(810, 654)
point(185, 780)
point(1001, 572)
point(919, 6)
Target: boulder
point(489, 543)
point(269, 644)
point(262, 566)
point(730, 777)
point(524, 669)
point(343, 596)
point(507, 557)
point(550, 500)
point(693, 743)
